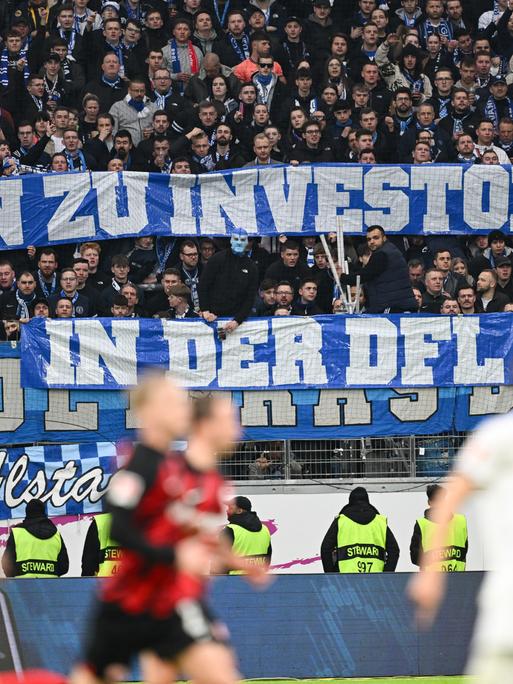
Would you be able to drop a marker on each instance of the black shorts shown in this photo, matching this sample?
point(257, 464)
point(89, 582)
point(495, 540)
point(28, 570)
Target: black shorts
point(117, 637)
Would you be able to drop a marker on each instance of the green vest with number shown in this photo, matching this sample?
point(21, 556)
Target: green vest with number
point(36, 557)
point(110, 553)
point(253, 546)
point(361, 548)
point(453, 557)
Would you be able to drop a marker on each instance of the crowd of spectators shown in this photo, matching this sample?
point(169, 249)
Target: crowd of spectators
point(195, 86)
point(246, 276)
point(179, 86)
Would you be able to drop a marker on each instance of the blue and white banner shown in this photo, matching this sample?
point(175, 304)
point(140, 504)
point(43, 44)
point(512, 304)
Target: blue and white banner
point(424, 199)
point(71, 479)
point(322, 352)
point(30, 415)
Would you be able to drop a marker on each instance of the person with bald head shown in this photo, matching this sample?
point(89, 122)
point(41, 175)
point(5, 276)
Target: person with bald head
point(199, 87)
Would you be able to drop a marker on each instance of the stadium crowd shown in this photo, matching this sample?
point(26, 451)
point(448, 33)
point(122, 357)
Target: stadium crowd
point(201, 85)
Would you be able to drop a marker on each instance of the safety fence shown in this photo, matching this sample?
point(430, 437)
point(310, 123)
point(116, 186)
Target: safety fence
point(417, 456)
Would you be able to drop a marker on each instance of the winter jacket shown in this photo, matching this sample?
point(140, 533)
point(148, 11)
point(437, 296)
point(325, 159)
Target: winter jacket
point(42, 528)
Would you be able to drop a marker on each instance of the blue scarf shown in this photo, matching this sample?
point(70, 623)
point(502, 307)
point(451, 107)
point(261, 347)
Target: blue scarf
point(264, 80)
point(163, 249)
point(69, 159)
point(4, 66)
point(136, 104)
point(416, 84)
point(112, 84)
point(403, 123)
point(71, 44)
point(22, 310)
point(444, 29)
point(221, 19)
point(48, 290)
point(133, 14)
point(242, 53)
point(118, 51)
point(491, 112)
point(160, 100)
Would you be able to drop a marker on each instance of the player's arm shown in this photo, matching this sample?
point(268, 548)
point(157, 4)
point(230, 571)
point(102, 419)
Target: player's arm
point(428, 586)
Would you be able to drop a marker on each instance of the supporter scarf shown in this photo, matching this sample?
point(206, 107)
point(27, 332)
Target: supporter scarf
point(312, 105)
point(4, 66)
point(22, 311)
point(71, 44)
point(70, 159)
point(48, 290)
point(175, 60)
point(207, 162)
point(491, 112)
point(118, 50)
point(80, 21)
point(111, 84)
point(403, 123)
point(443, 102)
point(73, 299)
point(264, 85)
point(443, 30)
point(66, 71)
point(160, 100)
point(310, 260)
point(117, 286)
point(338, 83)
point(51, 88)
point(38, 102)
point(226, 9)
point(431, 127)
point(242, 52)
point(416, 84)
point(133, 14)
point(163, 249)
point(191, 279)
point(138, 105)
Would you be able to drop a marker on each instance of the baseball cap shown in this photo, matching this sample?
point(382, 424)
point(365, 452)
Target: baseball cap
point(20, 17)
point(496, 235)
point(503, 261)
point(293, 18)
point(322, 3)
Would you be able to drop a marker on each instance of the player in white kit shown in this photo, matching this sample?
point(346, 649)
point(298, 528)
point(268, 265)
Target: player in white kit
point(485, 462)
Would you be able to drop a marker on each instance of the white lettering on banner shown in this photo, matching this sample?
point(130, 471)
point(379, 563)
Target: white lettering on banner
point(298, 352)
point(12, 415)
point(417, 348)
point(60, 416)
point(238, 365)
point(73, 188)
point(332, 184)
point(218, 200)
point(59, 492)
point(394, 212)
point(110, 194)
point(183, 221)
point(486, 400)
point(415, 405)
point(11, 230)
point(342, 407)
point(119, 354)
point(192, 351)
point(285, 189)
point(384, 335)
point(467, 370)
point(59, 370)
point(498, 183)
point(268, 409)
point(436, 181)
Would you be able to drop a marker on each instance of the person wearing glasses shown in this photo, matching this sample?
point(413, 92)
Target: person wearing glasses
point(312, 149)
point(260, 47)
point(270, 91)
point(80, 303)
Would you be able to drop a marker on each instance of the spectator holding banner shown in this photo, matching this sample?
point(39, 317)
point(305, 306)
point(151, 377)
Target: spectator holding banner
point(385, 276)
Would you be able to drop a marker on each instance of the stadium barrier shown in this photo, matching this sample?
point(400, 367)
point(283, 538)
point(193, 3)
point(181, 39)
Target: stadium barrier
point(301, 627)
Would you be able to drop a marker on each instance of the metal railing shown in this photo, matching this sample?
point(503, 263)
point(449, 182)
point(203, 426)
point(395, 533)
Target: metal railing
point(415, 456)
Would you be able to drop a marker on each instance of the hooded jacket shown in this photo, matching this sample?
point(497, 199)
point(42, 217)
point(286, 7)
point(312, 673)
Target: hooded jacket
point(250, 521)
point(359, 510)
point(416, 539)
point(38, 524)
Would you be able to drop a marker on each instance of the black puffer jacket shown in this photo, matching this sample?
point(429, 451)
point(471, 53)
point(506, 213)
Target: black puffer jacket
point(360, 511)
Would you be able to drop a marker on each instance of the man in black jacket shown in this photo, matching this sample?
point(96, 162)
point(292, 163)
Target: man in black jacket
point(41, 529)
point(360, 511)
point(289, 267)
point(228, 284)
point(386, 277)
